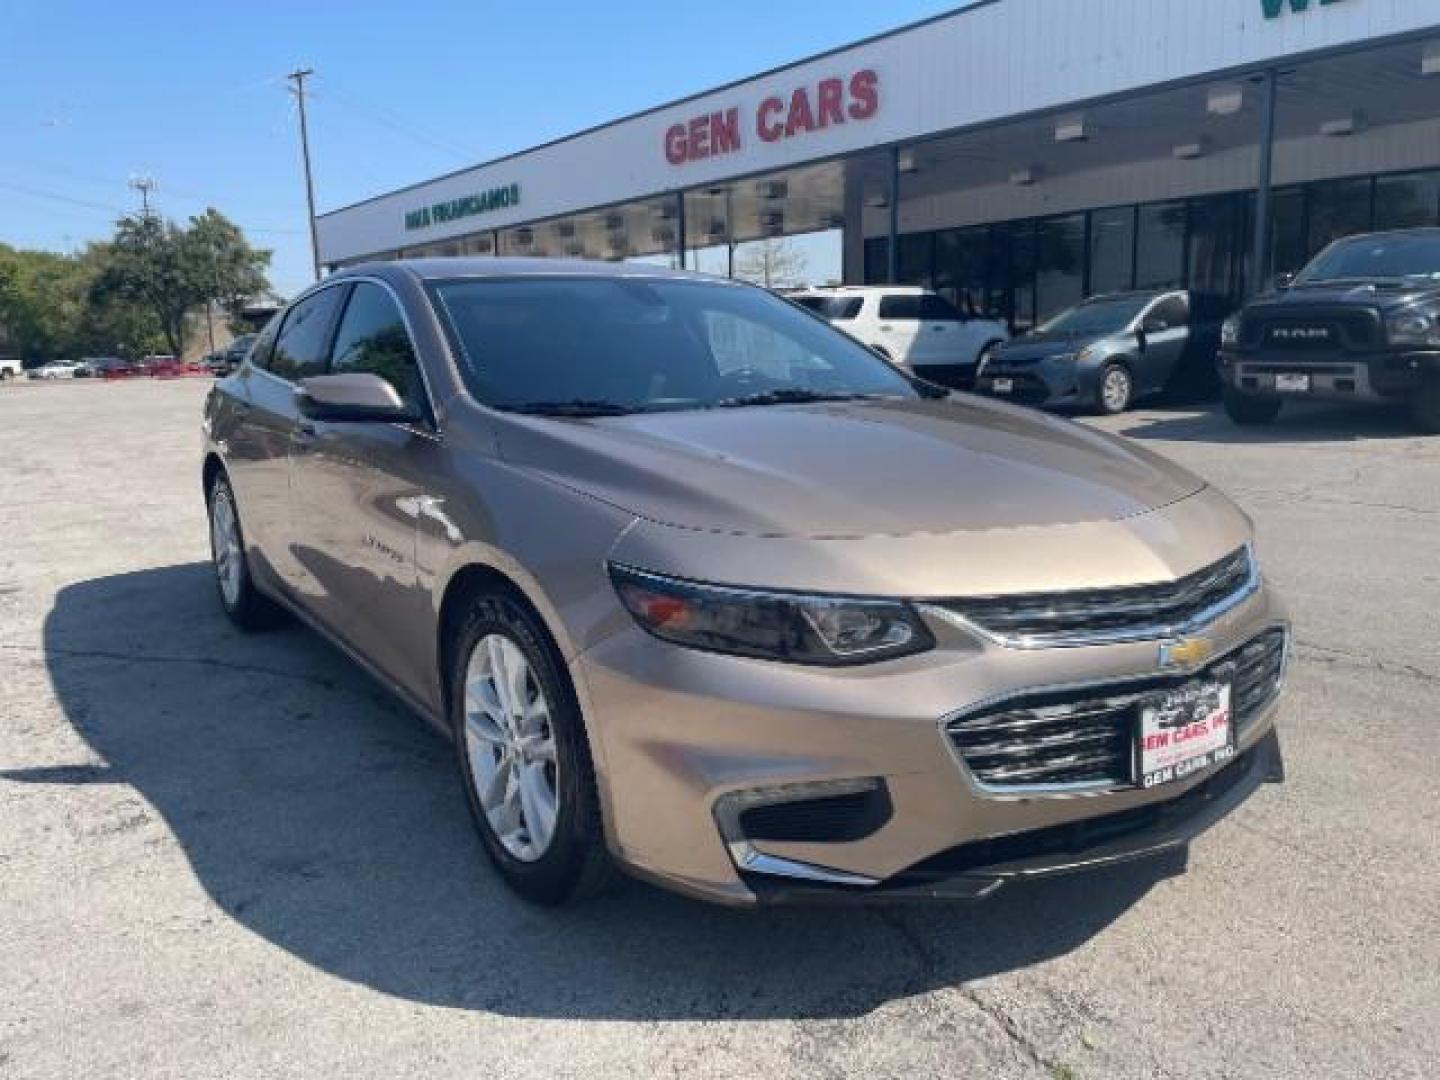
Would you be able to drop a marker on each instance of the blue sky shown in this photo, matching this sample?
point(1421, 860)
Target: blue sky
point(193, 95)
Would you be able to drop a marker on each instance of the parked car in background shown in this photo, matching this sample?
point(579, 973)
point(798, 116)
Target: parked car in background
point(10, 368)
point(234, 354)
point(113, 367)
point(1361, 322)
point(90, 366)
point(917, 329)
point(1108, 352)
point(734, 602)
point(56, 369)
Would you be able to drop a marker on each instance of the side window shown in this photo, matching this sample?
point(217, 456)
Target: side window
point(259, 352)
point(372, 339)
point(1173, 311)
point(900, 307)
point(300, 348)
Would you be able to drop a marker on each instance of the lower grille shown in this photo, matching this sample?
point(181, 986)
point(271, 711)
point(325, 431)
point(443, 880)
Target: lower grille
point(1086, 738)
point(826, 820)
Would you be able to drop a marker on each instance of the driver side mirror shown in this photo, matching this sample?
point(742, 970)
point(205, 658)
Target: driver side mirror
point(356, 398)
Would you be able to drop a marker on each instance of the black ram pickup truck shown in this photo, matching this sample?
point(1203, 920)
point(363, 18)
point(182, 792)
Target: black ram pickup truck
point(1361, 322)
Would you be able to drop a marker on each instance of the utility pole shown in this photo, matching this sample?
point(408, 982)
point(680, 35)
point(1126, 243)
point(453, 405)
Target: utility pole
point(144, 185)
point(298, 77)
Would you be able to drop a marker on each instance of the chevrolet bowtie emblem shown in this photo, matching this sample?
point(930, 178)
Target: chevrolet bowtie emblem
point(1186, 652)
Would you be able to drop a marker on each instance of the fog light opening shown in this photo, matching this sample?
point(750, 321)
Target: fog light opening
point(730, 809)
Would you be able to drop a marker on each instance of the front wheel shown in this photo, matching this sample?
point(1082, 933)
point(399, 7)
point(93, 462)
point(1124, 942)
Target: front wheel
point(523, 755)
point(1117, 389)
point(1247, 410)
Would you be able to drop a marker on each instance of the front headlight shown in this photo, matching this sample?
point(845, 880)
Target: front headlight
point(803, 629)
point(1230, 330)
point(1415, 326)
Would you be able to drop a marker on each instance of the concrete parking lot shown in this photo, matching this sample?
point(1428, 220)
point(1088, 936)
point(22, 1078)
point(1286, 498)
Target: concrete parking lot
point(229, 856)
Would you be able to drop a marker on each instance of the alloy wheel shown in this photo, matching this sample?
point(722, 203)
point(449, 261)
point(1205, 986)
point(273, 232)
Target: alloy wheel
point(225, 542)
point(1115, 390)
point(510, 745)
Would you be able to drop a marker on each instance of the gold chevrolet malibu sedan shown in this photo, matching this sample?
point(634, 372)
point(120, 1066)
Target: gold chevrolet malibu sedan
point(704, 589)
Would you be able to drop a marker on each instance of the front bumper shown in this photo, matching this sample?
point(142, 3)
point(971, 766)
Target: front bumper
point(1048, 382)
point(1379, 376)
point(677, 733)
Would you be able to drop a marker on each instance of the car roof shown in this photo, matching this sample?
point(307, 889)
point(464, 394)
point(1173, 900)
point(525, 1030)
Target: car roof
point(444, 268)
point(864, 290)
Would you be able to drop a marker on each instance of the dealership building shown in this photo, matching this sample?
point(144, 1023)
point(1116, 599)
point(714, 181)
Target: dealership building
point(1016, 155)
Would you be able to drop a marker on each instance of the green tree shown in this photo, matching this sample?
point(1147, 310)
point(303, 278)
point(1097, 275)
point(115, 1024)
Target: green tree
point(171, 270)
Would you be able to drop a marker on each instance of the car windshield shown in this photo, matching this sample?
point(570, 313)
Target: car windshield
point(577, 346)
point(1400, 255)
point(1096, 316)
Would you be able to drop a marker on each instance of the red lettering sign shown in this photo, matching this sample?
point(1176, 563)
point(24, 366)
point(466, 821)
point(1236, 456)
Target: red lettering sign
point(832, 102)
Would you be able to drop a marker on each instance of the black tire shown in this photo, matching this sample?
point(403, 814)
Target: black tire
point(6, 374)
point(1113, 404)
point(248, 608)
point(1425, 406)
point(1246, 410)
point(576, 864)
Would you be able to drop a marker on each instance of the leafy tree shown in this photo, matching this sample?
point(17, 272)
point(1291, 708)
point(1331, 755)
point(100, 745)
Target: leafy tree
point(773, 262)
point(170, 270)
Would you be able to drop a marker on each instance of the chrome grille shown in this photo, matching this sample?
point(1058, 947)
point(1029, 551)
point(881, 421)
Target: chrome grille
point(1086, 738)
point(1097, 616)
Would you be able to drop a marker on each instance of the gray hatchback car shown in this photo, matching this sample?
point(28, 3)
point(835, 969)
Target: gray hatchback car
point(703, 588)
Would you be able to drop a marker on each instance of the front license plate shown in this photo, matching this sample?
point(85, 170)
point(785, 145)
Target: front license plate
point(1184, 731)
point(1002, 386)
point(1292, 384)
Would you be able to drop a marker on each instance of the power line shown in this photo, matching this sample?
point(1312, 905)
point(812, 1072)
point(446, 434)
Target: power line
point(399, 125)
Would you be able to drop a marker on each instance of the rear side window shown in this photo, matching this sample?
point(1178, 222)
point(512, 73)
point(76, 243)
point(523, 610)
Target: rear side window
point(372, 339)
point(835, 308)
point(900, 307)
point(300, 348)
point(938, 309)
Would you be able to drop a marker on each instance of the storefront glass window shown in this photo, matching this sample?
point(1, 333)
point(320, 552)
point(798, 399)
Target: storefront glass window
point(1338, 208)
point(1059, 263)
point(1018, 301)
point(1215, 244)
point(1112, 249)
point(960, 267)
point(1407, 202)
point(1160, 250)
point(1288, 247)
point(917, 259)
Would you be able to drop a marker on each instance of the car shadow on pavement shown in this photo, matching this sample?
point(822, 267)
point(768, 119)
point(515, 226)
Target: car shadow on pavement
point(1300, 422)
point(330, 822)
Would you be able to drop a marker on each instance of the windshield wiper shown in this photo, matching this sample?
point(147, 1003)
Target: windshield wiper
point(793, 396)
point(575, 407)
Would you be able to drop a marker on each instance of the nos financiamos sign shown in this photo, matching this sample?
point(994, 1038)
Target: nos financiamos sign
point(829, 103)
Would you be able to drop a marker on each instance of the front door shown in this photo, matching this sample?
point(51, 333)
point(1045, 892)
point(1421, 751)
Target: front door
point(355, 491)
point(1166, 326)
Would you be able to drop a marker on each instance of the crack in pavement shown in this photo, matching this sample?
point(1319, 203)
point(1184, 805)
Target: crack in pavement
point(153, 658)
point(929, 967)
point(1332, 657)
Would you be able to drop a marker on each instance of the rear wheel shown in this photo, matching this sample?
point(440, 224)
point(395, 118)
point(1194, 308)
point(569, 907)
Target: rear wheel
point(246, 606)
point(1250, 411)
point(523, 755)
point(1425, 406)
point(1117, 389)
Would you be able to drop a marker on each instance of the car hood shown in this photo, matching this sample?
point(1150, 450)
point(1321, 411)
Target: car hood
point(1031, 350)
point(850, 469)
point(1386, 297)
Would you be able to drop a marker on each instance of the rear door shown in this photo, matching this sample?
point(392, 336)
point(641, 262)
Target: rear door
point(359, 493)
point(1166, 328)
point(897, 326)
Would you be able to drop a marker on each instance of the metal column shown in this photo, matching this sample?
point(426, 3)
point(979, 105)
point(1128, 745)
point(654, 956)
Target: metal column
point(680, 226)
point(1260, 256)
point(730, 232)
point(892, 255)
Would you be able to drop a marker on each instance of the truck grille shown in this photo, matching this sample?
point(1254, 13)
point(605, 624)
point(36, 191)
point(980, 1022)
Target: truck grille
point(1086, 738)
point(1037, 620)
point(1347, 328)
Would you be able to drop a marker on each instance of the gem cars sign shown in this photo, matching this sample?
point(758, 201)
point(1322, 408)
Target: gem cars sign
point(483, 202)
point(829, 103)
